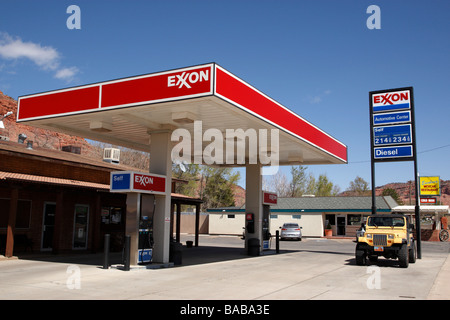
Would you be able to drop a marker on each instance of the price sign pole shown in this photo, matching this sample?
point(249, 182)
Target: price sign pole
point(393, 137)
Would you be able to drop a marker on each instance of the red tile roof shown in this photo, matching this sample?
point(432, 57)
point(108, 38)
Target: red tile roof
point(49, 180)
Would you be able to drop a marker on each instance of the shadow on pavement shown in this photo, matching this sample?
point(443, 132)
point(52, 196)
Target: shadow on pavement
point(190, 256)
point(94, 259)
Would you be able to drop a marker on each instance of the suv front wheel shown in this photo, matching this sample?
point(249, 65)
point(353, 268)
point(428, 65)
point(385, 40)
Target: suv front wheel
point(403, 256)
point(412, 252)
point(360, 255)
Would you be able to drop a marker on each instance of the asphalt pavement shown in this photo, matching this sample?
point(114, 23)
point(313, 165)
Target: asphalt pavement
point(220, 269)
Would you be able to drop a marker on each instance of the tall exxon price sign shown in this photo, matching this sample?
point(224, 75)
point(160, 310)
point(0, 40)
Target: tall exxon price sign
point(392, 125)
point(392, 136)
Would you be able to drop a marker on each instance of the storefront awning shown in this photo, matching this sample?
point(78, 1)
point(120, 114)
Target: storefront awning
point(423, 209)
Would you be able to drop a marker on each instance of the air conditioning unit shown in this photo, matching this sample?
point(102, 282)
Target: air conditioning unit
point(111, 155)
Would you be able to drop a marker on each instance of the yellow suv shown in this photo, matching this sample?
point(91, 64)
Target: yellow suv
point(387, 235)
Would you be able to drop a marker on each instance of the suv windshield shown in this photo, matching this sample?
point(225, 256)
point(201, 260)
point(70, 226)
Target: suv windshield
point(386, 222)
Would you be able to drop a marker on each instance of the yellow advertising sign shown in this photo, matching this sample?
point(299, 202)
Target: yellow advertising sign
point(430, 186)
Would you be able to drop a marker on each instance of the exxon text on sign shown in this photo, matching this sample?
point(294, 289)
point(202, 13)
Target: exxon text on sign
point(387, 153)
point(388, 101)
point(149, 183)
point(399, 134)
point(187, 79)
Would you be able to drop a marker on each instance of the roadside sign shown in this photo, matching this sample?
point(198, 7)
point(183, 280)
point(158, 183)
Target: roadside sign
point(392, 136)
point(428, 200)
point(392, 125)
point(430, 186)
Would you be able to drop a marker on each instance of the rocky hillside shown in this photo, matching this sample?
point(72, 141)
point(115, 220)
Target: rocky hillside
point(407, 195)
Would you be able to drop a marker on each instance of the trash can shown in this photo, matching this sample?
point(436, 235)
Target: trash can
point(175, 253)
point(189, 244)
point(253, 247)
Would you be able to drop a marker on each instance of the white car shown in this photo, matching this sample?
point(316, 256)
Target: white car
point(291, 231)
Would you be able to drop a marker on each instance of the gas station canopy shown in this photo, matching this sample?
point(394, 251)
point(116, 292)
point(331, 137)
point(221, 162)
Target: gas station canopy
point(199, 106)
point(127, 111)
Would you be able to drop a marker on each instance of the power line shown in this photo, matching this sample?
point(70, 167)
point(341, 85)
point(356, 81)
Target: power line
point(424, 151)
point(447, 145)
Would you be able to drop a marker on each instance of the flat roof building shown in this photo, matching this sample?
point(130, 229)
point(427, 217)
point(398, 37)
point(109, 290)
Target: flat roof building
point(344, 214)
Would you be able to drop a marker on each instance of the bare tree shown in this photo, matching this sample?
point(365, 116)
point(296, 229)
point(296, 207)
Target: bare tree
point(278, 183)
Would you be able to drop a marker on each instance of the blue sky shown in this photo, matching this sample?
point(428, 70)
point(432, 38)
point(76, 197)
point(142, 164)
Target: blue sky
point(317, 58)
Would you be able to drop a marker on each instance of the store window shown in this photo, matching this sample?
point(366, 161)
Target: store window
point(111, 215)
point(354, 219)
point(331, 219)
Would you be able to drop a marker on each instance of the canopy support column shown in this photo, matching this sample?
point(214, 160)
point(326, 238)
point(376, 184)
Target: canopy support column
point(253, 199)
point(161, 163)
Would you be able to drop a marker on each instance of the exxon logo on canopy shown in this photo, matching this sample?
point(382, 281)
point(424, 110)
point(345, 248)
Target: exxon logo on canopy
point(187, 79)
point(386, 101)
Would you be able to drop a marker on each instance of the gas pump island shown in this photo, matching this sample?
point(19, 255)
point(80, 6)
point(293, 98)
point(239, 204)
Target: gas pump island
point(142, 112)
point(257, 232)
point(142, 191)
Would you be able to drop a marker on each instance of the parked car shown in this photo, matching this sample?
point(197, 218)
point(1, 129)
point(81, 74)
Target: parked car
point(291, 231)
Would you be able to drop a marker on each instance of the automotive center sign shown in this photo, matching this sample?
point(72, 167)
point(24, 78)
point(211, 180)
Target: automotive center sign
point(392, 125)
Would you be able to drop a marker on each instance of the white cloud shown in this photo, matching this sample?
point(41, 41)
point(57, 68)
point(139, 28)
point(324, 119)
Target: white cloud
point(47, 58)
point(66, 73)
point(318, 98)
point(315, 100)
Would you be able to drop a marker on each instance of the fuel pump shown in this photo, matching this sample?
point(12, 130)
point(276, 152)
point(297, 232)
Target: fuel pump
point(266, 227)
point(250, 222)
point(145, 243)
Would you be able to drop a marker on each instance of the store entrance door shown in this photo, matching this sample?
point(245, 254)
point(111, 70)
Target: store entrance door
point(48, 226)
point(340, 225)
